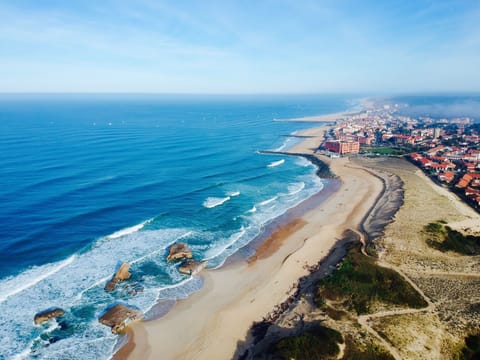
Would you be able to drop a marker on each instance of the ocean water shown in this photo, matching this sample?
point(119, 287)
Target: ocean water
point(89, 181)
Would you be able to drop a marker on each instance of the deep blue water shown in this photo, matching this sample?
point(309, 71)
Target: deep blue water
point(88, 181)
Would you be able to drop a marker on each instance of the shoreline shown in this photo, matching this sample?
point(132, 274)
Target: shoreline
point(281, 260)
point(326, 118)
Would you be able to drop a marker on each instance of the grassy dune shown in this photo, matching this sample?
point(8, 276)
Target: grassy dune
point(359, 283)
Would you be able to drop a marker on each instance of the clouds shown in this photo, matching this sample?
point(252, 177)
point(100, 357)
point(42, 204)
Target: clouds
point(231, 46)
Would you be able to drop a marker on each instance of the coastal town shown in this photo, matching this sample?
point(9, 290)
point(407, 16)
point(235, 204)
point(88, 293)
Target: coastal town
point(446, 149)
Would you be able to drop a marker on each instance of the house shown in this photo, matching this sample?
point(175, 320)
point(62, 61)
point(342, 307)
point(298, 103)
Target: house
point(403, 139)
point(471, 192)
point(442, 167)
point(425, 163)
point(436, 150)
point(446, 177)
point(464, 181)
point(416, 157)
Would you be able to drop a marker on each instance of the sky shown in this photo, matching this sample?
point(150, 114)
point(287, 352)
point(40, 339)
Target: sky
point(242, 46)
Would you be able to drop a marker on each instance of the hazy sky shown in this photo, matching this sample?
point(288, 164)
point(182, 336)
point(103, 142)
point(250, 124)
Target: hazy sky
point(249, 46)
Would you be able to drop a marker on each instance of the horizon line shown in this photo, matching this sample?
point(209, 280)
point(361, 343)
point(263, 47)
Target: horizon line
point(323, 93)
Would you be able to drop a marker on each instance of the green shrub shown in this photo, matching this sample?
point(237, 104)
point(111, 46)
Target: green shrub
point(314, 344)
point(370, 352)
point(359, 281)
point(471, 350)
point(444, 238)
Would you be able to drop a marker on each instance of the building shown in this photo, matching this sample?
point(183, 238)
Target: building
point(343, 147)
point(446, 177)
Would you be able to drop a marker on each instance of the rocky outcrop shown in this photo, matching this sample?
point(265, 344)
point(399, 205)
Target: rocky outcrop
point(119, 316)
point(179, 251)
point(122, 274)
point(47, 314)
point(133, 289)
point(192, 267)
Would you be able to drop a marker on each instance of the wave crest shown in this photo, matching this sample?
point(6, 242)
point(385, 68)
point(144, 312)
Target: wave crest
point(233, 193)
point(296, 188)
point(268, 201)
point(276, 163)
point(212, 202)
point(128, 230)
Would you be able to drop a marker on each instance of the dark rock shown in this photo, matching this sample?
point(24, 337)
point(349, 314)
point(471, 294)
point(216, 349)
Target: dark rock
point(179, 251)
point(192, 267)
point(122, 274)
point(119, 316)
point(47, 314)
point(133, 289)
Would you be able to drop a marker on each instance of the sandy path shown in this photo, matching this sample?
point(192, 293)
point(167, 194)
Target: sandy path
point(365, 320)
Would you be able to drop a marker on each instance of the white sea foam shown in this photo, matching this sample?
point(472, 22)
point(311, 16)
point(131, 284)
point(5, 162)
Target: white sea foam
point(212, 202)
point(156, 252)
point(296, 188)
point(233, 193)
point(285, 144)
point(301, 161)
point(276, 163)
point(129, 230)
point(80, 281)
point(182, 289)
point(268, 201)
point(74, 283)
point(22, 355)
point(31, 277)
point(218, 250)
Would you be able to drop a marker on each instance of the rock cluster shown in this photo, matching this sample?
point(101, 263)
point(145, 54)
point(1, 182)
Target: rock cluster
point(47, 314)
point(179, 251)
point(192, 267)
point(119, 316)
point(122, 274)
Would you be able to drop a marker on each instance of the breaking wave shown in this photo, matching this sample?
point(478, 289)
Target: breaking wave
point(212, 202)
point(233, 193)
point(129, 230)
point(276, 163)
point(268, 201)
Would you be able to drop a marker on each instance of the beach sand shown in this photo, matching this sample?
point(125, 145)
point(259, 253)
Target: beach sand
point(210, 323)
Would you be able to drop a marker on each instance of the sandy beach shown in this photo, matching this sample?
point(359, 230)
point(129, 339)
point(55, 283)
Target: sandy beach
point(210, 323)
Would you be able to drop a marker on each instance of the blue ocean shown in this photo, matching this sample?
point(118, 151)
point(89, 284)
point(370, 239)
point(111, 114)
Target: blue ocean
point(88, 181)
